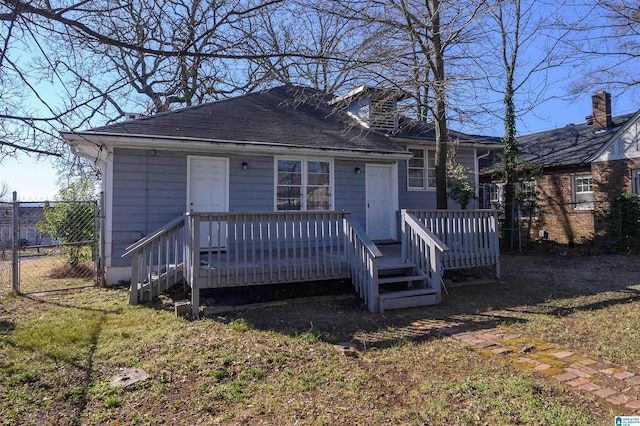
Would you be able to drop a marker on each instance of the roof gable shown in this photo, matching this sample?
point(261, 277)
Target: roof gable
point(567, 146)
point(624, 144)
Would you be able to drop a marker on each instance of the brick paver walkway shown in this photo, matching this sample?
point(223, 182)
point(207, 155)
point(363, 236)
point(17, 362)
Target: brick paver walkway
point(602, 379)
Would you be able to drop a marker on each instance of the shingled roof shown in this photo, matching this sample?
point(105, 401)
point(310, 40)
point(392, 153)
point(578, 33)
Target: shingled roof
point(572, 145)
point(287, 115)
point(422, 131)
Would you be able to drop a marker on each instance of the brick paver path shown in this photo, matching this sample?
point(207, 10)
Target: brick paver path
point(602, 379)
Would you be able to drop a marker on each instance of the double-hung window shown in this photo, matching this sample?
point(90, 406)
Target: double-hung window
point(421, 169)
point(583, 192)
point(303, 184)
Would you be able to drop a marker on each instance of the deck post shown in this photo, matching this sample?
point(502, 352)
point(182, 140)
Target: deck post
point(403, 232)
point(194, 259)
point(374, 301)
point(134, 290)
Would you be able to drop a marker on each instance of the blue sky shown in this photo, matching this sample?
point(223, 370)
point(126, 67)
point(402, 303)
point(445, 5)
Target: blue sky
point(36, 180)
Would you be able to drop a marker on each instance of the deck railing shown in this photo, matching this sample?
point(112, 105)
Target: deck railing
point(471, 235)
point(236, 249)
point(156, 261)
point(362, 258)
point(423, 248)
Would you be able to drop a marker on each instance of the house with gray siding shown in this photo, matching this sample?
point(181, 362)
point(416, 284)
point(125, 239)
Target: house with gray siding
point(286, 149)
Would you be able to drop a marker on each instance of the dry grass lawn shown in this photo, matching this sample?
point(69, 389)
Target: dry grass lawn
point(280, 366)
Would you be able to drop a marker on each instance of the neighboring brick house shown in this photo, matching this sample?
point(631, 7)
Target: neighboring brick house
point(581, 169)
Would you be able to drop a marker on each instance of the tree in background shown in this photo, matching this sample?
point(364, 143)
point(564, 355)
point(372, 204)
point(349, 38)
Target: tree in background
point(523, 48)
point(70, 219)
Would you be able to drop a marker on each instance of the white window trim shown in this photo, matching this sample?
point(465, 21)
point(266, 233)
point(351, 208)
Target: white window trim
point(303, 194)
point(426, 169)
point(574, 193)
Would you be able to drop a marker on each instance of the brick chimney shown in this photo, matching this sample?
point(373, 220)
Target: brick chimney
point(601, 102)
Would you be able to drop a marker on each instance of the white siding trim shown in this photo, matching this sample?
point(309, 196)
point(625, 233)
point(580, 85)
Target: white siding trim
point(107, 188)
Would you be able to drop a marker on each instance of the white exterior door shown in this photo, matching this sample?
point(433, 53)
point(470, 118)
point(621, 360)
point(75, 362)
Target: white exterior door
point(208, 191)
point(381, 202)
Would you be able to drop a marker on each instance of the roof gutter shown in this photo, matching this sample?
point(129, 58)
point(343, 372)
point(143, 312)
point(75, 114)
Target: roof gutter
point(218, 145)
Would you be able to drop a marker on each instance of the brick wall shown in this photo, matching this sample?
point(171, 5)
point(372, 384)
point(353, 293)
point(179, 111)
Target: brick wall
point(557, 213)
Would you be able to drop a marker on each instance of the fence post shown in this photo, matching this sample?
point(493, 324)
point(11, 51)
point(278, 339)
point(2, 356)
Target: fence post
point(15, 245)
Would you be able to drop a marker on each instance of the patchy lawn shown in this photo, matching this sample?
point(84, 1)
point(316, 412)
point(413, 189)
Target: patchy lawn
point(279, 365)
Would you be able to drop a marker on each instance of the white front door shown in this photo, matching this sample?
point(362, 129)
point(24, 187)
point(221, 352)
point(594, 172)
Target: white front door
point(208, 191)
point(381, 202)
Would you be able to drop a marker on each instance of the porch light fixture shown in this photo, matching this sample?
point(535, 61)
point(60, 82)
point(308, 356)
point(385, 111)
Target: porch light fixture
point(245, 166)
point(358, 170)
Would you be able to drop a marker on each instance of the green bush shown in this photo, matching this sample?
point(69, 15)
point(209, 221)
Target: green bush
point(623, 223)
point(70, 220)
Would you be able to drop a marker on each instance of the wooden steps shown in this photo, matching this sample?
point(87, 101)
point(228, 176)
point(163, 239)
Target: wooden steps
point(408, 298)
point(403, 286)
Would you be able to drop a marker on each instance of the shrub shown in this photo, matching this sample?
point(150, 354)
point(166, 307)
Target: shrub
point(623, 223)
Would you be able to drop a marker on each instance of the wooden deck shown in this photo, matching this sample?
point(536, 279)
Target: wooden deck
point(217, 250)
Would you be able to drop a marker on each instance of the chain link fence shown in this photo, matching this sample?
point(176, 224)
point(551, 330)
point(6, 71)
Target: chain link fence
point(49, 246)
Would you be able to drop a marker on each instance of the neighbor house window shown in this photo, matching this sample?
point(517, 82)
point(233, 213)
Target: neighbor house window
point(526, 193)
point(583, 192)
point(635, 184)
point(303, 185)
point(421, 169)
point(491, 196)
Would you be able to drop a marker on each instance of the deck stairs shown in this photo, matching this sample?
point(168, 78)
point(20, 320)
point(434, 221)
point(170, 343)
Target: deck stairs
point(401, 285)
point(158, 282)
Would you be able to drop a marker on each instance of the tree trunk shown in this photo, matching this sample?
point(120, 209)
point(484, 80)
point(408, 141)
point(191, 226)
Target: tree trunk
point(440, 106)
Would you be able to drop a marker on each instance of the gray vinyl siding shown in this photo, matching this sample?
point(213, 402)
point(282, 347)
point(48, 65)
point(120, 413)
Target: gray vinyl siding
point(150, 189)
point(426, 199)
point(350, 189)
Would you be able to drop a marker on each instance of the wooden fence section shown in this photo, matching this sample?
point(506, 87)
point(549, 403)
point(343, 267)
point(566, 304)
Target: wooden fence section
point(470, 235)
point(362, 258)
point(157, 261)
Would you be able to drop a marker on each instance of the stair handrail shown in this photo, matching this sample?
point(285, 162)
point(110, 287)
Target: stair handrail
point(423, 248)
point(157, 261)
point(164, 229)
point(362, 259)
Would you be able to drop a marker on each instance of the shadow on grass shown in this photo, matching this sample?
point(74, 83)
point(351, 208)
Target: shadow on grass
point(84, 366)
point(6, 327)
point(540, 285)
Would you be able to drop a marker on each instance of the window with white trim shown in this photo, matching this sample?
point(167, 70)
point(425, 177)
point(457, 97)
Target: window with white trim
point(421, 169)
point(303, 185)
point(583, 192)
point(635, 181)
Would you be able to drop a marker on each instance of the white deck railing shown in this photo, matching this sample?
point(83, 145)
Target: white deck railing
point(471, 235)
point(362, 258)
point(237, 249)
point(156, 261)
point(423, 248)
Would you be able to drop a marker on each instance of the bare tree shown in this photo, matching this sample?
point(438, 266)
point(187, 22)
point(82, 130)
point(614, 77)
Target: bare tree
point(4, 191)
point(430, 40)
point(335, 47)
point(609, 40)
point(96, 59)
point(518, 28)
